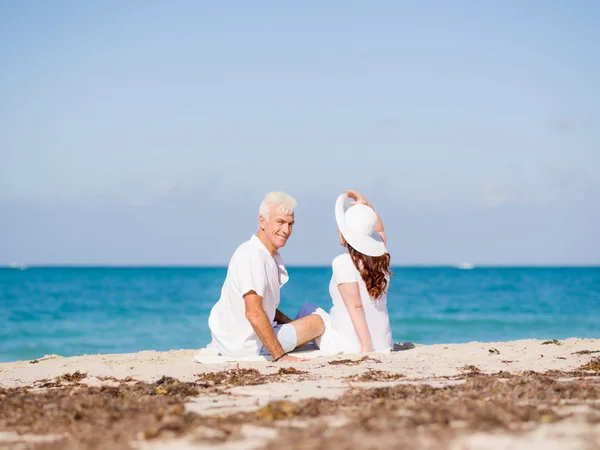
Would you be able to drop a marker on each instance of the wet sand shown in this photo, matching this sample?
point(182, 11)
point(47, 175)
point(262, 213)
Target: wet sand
point(519, 394)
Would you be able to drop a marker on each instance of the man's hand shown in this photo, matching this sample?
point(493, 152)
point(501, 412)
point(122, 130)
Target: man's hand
point(261, 324)
point(293, 359)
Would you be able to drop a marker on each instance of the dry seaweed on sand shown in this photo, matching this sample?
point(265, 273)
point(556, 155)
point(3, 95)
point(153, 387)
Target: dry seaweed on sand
point(374, 375)
point(70, 378)
point(593, 365)
point(353, 362)
point(99, 417)
point(111, 417)
point(109, 378)
point(552, 341)
point(284, 374)
point(171, 387)
point(464, 401)
point(586, 352)
point(484, 403)
point(46, 383)
point(470, 370)
point(74, 377)
point(231, 377)
point(277, 410)
point(243, 377)
point(591, 368)
point(502, 374)
point(291, 371)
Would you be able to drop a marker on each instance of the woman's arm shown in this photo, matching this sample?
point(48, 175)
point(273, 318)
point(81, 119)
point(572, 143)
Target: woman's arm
point(351, 296)
point(359, 198)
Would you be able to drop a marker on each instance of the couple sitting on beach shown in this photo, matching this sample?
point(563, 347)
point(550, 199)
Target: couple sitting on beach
point(246, 320)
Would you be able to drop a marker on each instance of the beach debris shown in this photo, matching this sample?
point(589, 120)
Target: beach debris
point(277, 410)
point(86, 415)
point(552, 341)
point(412, 411)
point(494, 351)
point(471, 370)
point(503, 374)
point(349, 362)
point(210, 434)
point(47, 357)
point(291, 371)
point(45, 383)
point(171, 387)
point(353, 362)
point(243, 377)
point(71, 378)
point(34, 361)
point(585, 352)
point(593, 365)
point(107, 378)
point(581, 372)
point(231, 377)
point(74, 377)
point(374, 375)
point(94, 417)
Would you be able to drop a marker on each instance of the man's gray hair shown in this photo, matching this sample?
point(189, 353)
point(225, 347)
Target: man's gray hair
point(284, 203)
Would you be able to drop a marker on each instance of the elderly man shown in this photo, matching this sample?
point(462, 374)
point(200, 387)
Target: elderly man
point(245, 320)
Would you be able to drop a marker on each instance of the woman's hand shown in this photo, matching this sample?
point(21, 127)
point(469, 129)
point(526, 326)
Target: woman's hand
point(358, 198)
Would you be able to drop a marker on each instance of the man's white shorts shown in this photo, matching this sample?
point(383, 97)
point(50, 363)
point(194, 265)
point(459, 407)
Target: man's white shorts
point(286, 333)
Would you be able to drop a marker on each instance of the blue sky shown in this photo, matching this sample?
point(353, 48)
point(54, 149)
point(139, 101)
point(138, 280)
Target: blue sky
point(148, 132)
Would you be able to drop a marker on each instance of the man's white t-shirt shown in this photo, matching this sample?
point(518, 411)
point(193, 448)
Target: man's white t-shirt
point(251, 268)
point(376, 313)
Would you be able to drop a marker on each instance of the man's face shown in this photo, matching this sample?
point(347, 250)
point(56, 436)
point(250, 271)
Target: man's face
point(278, 228)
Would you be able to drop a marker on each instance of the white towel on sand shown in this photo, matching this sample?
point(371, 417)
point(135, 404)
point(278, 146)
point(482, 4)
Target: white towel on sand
point(210, 355)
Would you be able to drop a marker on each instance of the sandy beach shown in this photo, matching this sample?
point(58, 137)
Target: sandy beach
point(499, 395)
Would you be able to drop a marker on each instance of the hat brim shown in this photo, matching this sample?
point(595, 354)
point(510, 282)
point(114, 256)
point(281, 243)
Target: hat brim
point(371, 245)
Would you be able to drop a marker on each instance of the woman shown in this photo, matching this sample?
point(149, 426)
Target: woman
point(358, 320)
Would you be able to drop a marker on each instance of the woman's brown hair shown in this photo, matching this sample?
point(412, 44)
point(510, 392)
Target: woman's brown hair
point(373, 270)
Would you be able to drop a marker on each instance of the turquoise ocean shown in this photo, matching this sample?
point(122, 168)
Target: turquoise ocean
point(89, 310)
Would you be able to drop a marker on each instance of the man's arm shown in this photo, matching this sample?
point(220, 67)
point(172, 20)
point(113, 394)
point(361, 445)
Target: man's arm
point(262, 326)
point(281, 317)
point(257, 317)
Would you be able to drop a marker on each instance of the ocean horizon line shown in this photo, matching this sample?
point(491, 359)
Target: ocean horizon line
point(461, 266)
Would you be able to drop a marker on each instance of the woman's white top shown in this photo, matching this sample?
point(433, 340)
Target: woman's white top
point(340, 334)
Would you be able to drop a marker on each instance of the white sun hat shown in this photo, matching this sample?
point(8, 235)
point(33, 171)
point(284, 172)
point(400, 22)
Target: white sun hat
point(357, 225)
